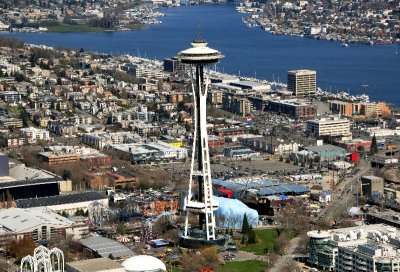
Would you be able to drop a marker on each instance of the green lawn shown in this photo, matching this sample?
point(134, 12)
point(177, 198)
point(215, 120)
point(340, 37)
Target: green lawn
point(266, 239)
point(245, 266)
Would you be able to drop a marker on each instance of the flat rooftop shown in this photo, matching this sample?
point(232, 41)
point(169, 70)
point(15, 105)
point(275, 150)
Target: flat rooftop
point(59, 199)
point(105, 247)
point(94, 265)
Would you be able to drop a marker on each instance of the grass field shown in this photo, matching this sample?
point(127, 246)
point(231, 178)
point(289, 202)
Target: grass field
point(244, 266)
point(266, 237)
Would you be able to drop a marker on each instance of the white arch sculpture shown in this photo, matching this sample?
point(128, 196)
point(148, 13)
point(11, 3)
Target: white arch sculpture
point(43, 260)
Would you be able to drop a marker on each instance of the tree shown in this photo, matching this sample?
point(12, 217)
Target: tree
point(66, 174)
point(110, 256)
point(181, 106)
point(64, 213)
point(20, 248)
point(251, 236)
point(195, 261)
point(245, 224)
point(282, 242)
point(374, 146)
point(96, 254)
point(59, 81)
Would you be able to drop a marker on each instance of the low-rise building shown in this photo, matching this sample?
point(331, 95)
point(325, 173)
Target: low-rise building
point(8, 122)
point(369, 248)
point(33, 135)
point(152, 152)
point(37, 223)
point(371, 184)
point(326, 152)
point(236, 104)
point(94, 265)
point(299, 109)
point(69, 203)
point(333, 126)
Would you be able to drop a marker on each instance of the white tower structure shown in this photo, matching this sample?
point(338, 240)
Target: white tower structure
point(199, 56)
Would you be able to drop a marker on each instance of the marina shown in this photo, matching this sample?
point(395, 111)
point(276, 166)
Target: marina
point(268, 57)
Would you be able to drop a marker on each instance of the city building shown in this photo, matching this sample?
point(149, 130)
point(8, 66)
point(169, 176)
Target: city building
point(369, 248)
point(94, 265)
point(371, 184)
point(326, 152)
point(70, 154)
point(105, 247)
point(354, 144)
point(341, 107)
point(101, 179)
point(239, 152)
point(37, 223)
point(7, 122)
point(334, 126)
point(232, 131)
point(294, 108)
point(10, 96)
point(302, 82)
point(215, 97)
point(33, 135)
point(174, 65)
point(236, 104)
point(100, 140)
point(151, 152)
point(68, 203)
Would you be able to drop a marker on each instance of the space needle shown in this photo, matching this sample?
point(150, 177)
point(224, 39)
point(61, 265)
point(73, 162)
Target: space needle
point(199, 57)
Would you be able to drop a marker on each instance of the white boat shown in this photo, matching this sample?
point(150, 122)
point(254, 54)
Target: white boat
point(344, 44)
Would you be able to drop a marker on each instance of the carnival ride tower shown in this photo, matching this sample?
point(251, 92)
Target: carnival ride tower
point(199, 57)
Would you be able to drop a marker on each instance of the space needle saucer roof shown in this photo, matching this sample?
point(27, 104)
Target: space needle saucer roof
point(199, 53)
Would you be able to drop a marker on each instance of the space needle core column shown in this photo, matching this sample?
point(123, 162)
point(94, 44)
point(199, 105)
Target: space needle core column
point(199, 56)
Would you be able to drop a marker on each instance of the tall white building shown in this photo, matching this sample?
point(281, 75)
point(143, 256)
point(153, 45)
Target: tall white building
point(334, 126)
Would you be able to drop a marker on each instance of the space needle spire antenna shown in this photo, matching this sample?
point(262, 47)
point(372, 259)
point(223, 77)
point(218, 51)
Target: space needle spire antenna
point(199, 57)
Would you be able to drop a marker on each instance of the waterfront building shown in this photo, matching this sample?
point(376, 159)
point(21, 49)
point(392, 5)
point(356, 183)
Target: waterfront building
point(174, 65)
point(294, 108)
point(369, 248)
point(333, 126)
point(341, 107)
point(302, 82)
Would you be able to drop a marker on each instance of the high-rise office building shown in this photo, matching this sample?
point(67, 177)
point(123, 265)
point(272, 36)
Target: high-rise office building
point(302, 82)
